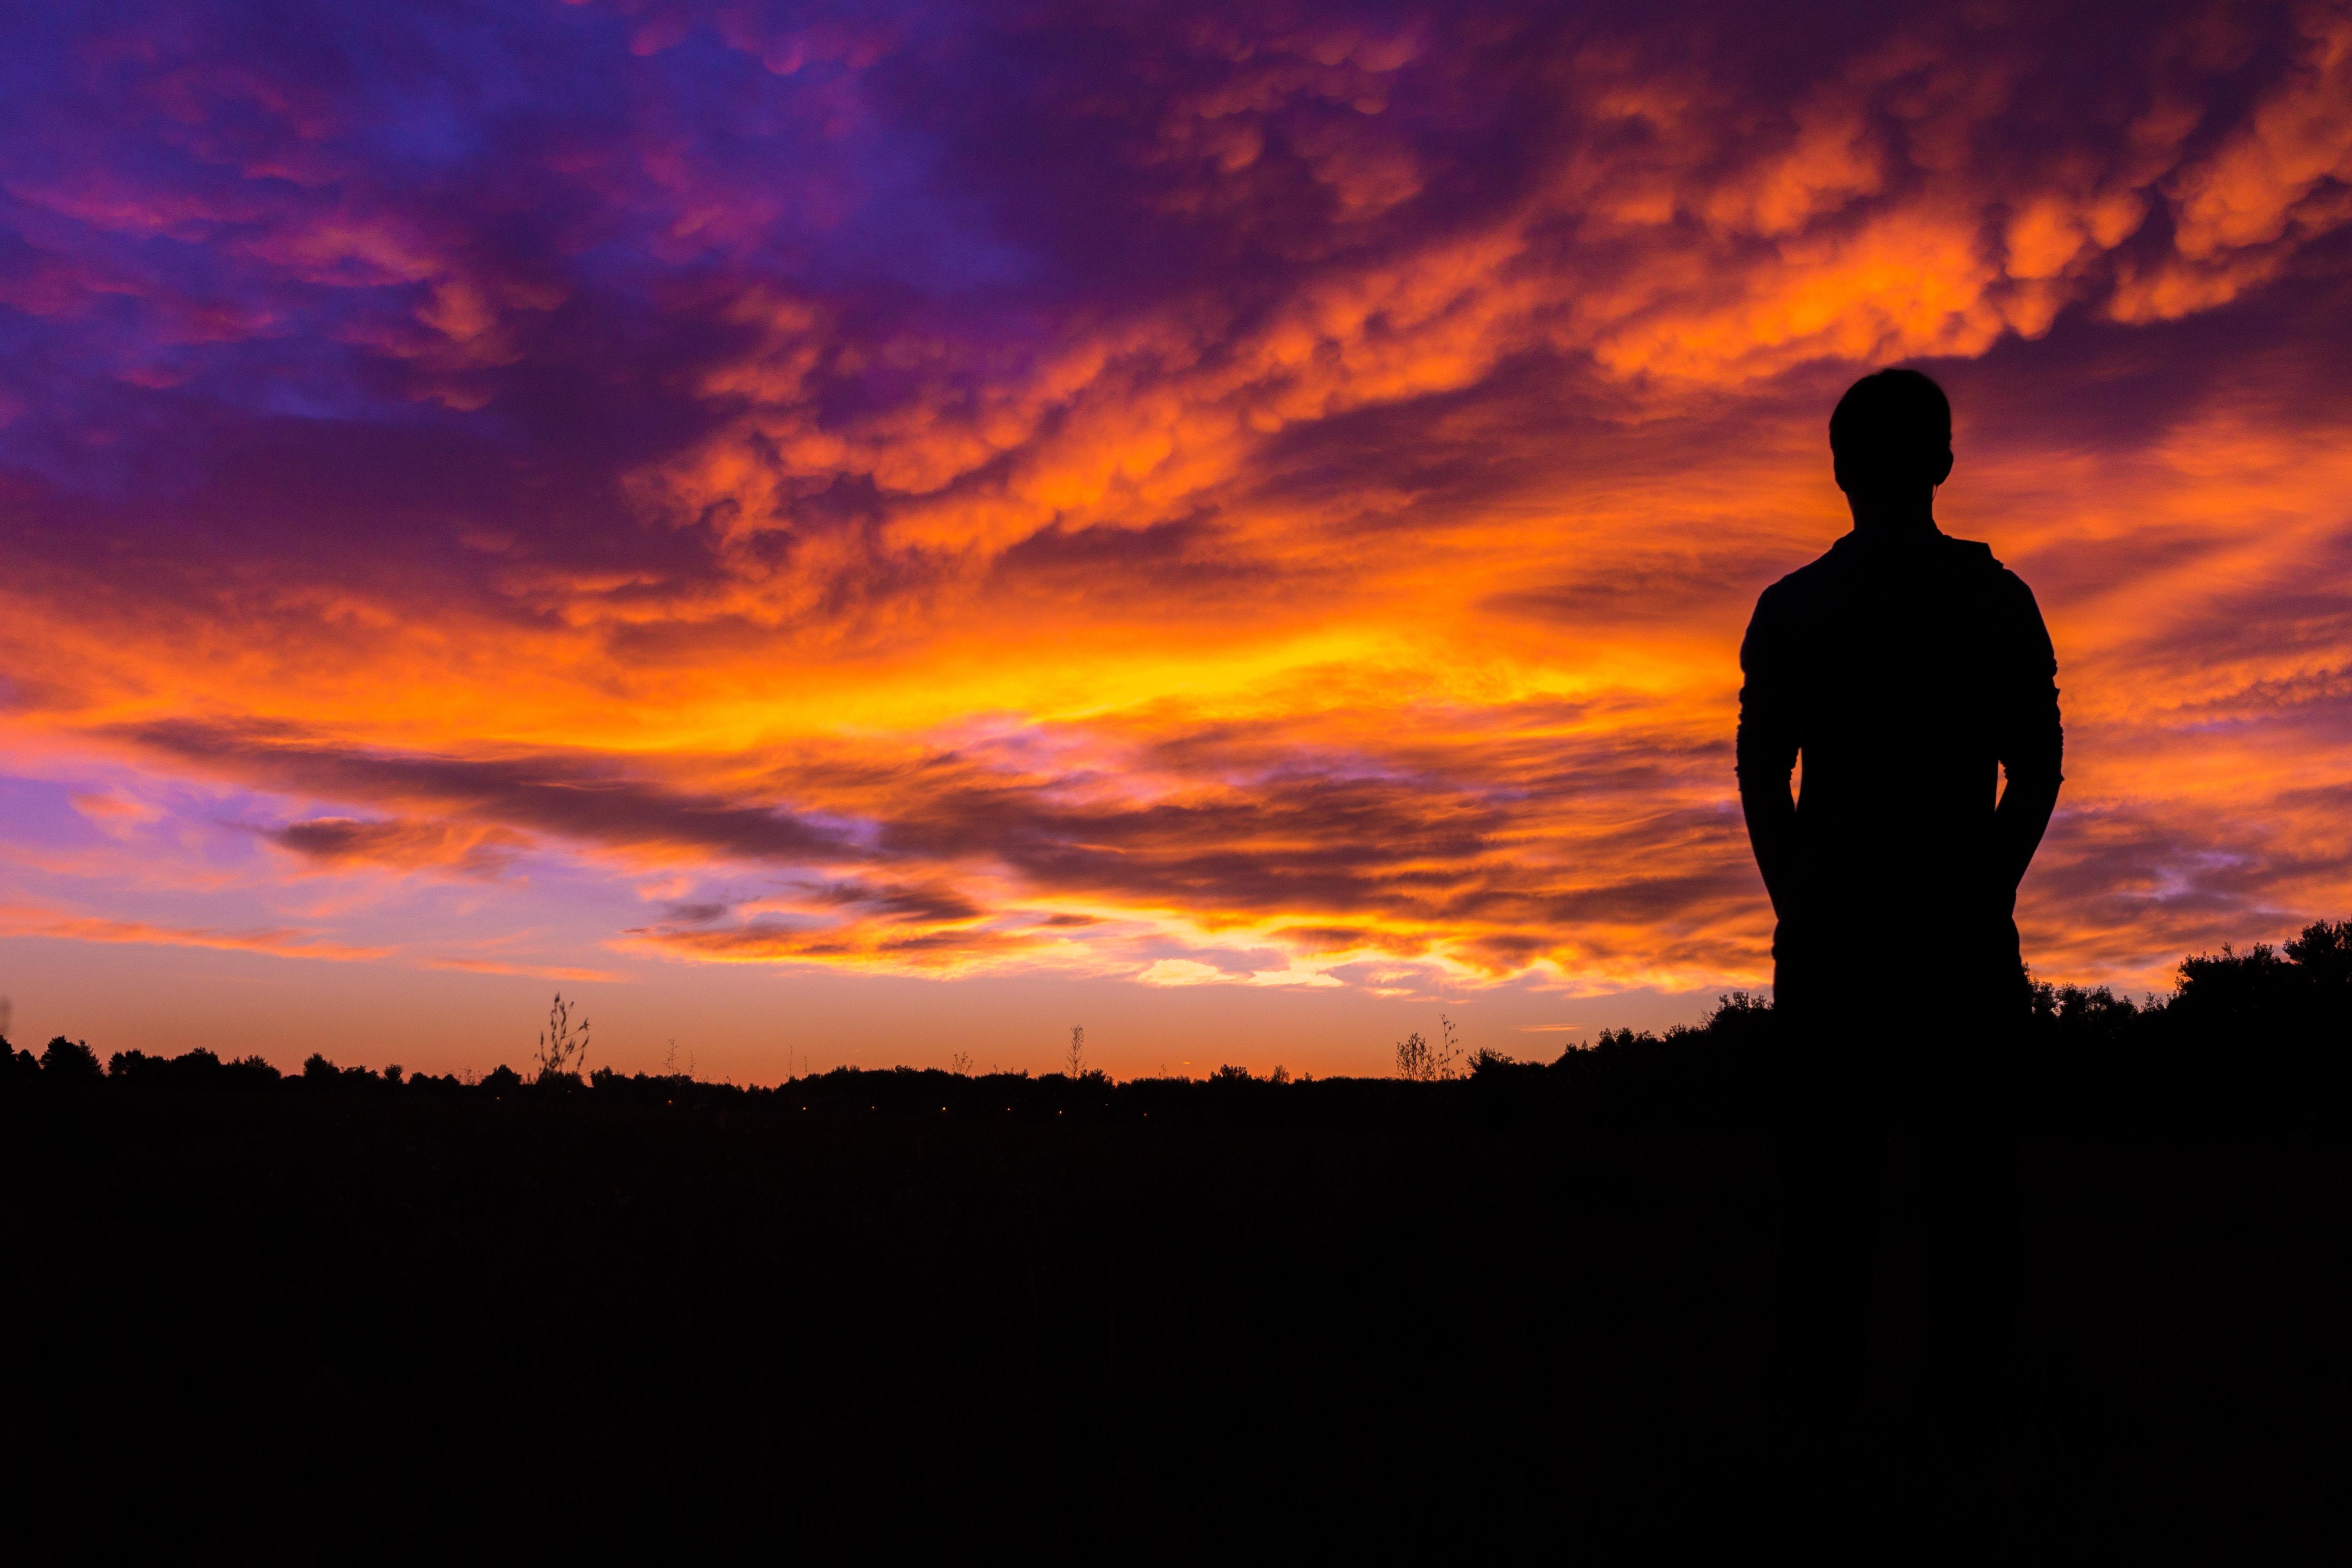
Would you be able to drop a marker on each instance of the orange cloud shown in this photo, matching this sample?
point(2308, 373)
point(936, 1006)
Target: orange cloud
point(20, 920)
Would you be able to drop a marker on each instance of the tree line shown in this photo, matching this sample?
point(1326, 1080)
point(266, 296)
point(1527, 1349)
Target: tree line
point(2273, 1023)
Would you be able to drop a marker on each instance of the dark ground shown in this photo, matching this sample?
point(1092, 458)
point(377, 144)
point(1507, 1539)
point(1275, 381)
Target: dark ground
point(1533, 1306)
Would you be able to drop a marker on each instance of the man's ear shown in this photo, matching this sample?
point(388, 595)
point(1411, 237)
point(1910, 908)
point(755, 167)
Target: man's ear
point(1943, 469)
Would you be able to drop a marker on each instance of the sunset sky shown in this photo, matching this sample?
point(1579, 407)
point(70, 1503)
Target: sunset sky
point(854, 533)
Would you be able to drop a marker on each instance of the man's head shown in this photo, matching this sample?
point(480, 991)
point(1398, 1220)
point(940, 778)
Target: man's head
point(1892, 434)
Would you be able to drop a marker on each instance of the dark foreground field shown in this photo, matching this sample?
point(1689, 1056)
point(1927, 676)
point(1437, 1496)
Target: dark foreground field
point(330, 1312)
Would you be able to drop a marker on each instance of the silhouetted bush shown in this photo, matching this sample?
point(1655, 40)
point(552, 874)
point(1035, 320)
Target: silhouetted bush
point(2262, 1033)
point(197, 1069)
point(320, 1076)
point(2266, 1000)
point(1486, 1066)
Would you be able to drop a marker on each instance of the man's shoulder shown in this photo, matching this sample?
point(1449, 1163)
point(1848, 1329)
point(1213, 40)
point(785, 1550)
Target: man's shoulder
point(1785, 610)
point(1976, 559)
point(1807, 581)
point(1847, 568)
point(1970, 552)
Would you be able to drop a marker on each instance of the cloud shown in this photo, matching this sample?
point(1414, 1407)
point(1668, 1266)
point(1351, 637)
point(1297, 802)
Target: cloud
point(2280, 176)
point(880, 946)
point(341, 841)
point(1184, 971)
point(582, 797)
point(1191, 971)
point(281, 942)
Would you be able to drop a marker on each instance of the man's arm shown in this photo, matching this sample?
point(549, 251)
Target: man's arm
point(2018, 824)
point(2032, 742)
point(1773, 835)
point(1767, 751)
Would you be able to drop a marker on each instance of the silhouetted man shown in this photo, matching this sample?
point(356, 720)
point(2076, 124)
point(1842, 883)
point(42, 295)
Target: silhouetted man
point(1908, 669)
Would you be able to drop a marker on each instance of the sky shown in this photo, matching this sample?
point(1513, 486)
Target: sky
point(878, 533)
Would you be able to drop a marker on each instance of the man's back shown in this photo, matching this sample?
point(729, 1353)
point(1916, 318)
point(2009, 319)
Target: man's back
point(1906, 671)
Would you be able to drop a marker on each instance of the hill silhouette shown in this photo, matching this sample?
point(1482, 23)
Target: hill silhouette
point(302, 1313)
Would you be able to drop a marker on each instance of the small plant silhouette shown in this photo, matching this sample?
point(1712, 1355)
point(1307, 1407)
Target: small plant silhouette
point(1078, 1050)
point(1421, 1062)
point(1412, 1061)
point(563, 1049)
point(959, 1064)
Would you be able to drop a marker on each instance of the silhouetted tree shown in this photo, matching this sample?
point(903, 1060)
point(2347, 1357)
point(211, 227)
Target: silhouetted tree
point(2269, 1023)
point(251, 1072)
point(2324, 952)
point(71, 1061)
point(2234, 990)
point(197, 1069)
point(139, 1068)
